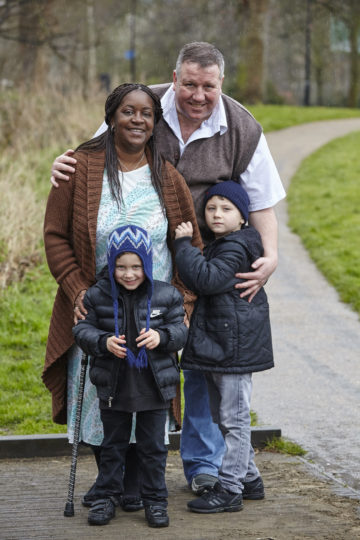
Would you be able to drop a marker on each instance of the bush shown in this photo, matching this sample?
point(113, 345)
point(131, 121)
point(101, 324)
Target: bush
point(34, 129)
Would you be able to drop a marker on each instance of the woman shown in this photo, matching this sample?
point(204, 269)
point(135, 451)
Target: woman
point(120, 178)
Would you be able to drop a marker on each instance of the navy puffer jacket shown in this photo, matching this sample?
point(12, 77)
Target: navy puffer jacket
point(167, 316)
point(227, 333)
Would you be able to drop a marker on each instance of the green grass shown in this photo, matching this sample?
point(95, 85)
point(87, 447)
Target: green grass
point(274, 117)
point(284, 446)
point(25, 404)
point(324, 209)
point(324, 202)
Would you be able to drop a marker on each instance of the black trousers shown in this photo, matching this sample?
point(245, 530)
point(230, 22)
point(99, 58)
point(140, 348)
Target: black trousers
point(150, 448)
point(132, 476)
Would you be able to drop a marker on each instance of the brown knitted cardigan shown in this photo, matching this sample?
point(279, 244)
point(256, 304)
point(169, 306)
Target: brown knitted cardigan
point(70, 238)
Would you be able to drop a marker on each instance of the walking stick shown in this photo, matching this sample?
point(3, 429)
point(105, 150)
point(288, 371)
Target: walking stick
point(69, 506)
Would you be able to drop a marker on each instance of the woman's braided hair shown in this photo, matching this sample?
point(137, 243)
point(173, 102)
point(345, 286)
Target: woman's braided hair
point(106, 141)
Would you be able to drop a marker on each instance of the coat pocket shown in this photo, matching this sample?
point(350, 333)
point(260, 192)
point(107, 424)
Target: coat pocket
point(212, 340)
point(255, 331)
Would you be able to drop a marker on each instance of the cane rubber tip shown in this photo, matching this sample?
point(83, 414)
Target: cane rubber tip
point(69, 510)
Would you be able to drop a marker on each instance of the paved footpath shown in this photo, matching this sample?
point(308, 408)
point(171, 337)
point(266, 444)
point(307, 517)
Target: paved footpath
point(297, 506)
point(313, 394)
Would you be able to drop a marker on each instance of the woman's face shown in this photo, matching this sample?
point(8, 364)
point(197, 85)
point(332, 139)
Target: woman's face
point(134, 121)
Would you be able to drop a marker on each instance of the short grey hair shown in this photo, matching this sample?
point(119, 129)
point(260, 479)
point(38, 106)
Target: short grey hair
point(202, 53)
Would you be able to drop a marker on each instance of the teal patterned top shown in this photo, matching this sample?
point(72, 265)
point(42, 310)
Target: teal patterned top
point(140, 206)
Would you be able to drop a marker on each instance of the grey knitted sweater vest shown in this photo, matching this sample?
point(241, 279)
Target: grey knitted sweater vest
point(208, 161)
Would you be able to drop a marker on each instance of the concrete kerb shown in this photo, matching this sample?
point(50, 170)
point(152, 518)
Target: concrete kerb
point(32, 446)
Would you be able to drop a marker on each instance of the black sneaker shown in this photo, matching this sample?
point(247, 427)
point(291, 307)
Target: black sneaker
point(131, 503)
point(90, 498)
point(156, 516)
point(217, 499)
point(202, 482)
point(254, 490)
point(101, 512)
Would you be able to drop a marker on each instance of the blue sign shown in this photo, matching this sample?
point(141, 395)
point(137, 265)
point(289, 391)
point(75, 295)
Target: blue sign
point(130, 54)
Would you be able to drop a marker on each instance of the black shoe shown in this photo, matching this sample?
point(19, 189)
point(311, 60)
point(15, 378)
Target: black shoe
point(91, 497)
point(202, 482)
point(254, 490)
point(131, 503)
point(101, 512)
point(217, 499)
point(156, 516)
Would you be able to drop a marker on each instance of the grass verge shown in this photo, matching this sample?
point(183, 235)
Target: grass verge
point(284, 446)
point(274, 117)
point(324, 210)
point(25, 403)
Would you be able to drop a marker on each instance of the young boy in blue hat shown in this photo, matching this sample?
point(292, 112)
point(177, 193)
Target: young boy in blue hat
point(133, 326)
point(229, 337)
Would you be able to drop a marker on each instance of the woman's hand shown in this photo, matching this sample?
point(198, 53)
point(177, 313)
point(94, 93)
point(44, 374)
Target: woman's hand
point(62, 164)
point(150, 339)
point(114, 345)
point(79, 309)
point(184, 229)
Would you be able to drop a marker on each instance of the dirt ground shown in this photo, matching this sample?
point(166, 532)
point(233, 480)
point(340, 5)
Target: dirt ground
point(298, 505)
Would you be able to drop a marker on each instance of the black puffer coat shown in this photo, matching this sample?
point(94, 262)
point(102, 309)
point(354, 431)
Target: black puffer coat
point(227, 333)
point(167, 316)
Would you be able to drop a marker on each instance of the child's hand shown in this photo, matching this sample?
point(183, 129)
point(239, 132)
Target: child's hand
point(186, 321)
point(184, 229)
point(150, 339)
point(113, 345)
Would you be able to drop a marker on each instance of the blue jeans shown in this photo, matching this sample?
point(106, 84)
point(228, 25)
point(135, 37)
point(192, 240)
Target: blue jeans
point(202, 445)
point(229, 396)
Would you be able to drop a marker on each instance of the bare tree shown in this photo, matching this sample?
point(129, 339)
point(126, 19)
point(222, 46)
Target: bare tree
point(348, 11)
point(32, 26)
point(254, 13)
point(321, 52)
point(50, 41)
point(71, 43)
point(89, 64)
point(307, 53)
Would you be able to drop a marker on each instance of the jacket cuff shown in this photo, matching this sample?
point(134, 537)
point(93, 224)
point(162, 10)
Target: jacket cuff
point(164, 337)
point(73, 285)
point(102, 344)
point(181, 241)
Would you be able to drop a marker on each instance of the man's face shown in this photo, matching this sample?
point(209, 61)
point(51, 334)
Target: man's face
point(197, 91)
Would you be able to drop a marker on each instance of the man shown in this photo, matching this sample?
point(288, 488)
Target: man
point(210, 138)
